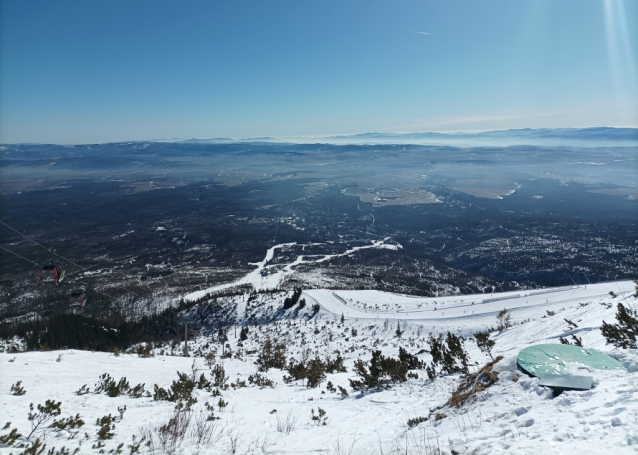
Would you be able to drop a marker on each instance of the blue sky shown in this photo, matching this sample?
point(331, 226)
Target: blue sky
point(80, 72)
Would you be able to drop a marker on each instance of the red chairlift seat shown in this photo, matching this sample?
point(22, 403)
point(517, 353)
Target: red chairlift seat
point(51, 274)
point(78, 300)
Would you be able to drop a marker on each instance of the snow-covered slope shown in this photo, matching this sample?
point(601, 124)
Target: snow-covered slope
point(515, 415)
point(465, 314)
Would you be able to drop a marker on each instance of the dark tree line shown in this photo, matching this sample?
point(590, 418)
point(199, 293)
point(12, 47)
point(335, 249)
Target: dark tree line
point(84, 332)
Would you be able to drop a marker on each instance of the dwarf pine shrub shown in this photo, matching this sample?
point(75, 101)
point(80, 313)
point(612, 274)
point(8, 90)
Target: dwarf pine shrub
point(578, 341)
point(260, 381)
point(182, 389)
point(380, 372)
point(412, 361)
point(336, 365)
point(83, 390)
point(296, 370)
point(45, 413)
point(107, 426)
point(484, 343)
point(448, 356)
point(219, 376)
point(106, 384)
point(319, 419)
point(315, 372)
point(8, 440)
point(210, 359)
point(70, 423)
point(272, 355)
point(17, 389)
point(145, 350)
point(623, 333)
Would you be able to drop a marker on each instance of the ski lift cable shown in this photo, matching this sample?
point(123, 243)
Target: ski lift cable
point(41, 246)
point(59, 255)
point(22, 257)
point(39, 265)
point(113, 298)
point(167, 309)
point(71, 262)
point(82, 284)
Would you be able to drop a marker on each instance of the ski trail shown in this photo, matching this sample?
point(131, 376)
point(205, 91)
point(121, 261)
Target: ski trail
point(269, 277)
point(469, 310)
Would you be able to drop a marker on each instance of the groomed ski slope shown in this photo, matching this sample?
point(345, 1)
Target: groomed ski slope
point(514, 416)
point(465, 313)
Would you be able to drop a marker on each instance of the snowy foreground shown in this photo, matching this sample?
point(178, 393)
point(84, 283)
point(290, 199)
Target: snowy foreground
point(515, 415)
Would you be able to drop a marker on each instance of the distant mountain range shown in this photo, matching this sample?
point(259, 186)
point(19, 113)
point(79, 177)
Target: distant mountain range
point(587, 137)
point(599, 136)
point(606, 135)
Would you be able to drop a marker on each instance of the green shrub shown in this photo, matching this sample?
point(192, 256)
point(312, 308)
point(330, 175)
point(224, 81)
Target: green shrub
point(260, 381)
point(10, 439)
point(17, 389)
point(577, 341)
point(210, 359)
point(271, 355)
point(448, 356)
point(45, 414)
point(315, 373)
point(411, 361)
point(622, 334)
point(336, 365)
point(380, 372)
point(83, 390)
point(107, 425)
point(297, 370)
point(114, 389)
point(219, 376)
point(484, 343)
point(238, 384)
point(319, 419)
point(70, 423)
point(182, 389)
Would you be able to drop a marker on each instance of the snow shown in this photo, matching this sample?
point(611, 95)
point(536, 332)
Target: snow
point(515, 415)
point(466, 313)
point(270, 277)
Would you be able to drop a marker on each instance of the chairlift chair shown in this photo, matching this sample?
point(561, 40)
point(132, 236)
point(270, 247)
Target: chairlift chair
point(51, 274)
point(78, 299)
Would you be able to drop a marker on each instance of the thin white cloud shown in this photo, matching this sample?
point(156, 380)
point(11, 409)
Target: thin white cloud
point(422, 33)
point(501, 120)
